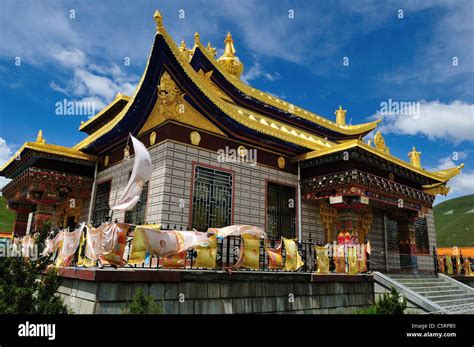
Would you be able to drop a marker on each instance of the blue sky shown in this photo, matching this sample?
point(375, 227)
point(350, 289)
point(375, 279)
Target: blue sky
point(406, 51)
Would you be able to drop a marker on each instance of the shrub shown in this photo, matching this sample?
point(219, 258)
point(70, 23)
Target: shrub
point(26, 287)
point(142, 304)
point(391, 303)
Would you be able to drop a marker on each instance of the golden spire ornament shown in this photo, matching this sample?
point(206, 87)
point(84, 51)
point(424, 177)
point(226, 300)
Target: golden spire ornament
point(228, 61)
point(158, 20)
point(340, 116)
point(39, 138)
point(415, 159)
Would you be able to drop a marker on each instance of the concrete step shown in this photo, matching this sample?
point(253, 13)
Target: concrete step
point(456, 302)
point(442, 293)
point(422, 286)
point(441, 288)
point(421, 280)
point(422, 276)
point(451, 296)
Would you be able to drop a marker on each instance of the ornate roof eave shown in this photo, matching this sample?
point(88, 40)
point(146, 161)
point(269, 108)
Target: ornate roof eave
point(440, 176)
point(291, 135)
point(284, 105)
point(50, 149)
point(118, 98)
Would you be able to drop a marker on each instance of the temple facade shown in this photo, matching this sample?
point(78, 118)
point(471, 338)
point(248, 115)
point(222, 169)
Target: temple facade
point(226, 153)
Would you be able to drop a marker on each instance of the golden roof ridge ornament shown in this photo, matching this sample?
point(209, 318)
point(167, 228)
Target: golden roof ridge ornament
point(211, 49)
point(184, 51)
point(415, 158)
point(340, 116)
point(229, 62)
point(40, 138)
point(379, 143)
point(159, 21)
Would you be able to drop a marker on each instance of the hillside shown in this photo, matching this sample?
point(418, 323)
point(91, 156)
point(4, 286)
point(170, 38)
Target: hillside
point(6, 217)
point(454, 222)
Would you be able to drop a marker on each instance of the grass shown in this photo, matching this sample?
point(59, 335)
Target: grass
point(7, 216)
point(454, 225)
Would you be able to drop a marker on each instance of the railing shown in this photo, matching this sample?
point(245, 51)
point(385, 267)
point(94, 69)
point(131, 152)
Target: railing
point(228, 253)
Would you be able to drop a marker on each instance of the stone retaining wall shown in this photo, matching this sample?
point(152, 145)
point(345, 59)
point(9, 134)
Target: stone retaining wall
point(181, 292)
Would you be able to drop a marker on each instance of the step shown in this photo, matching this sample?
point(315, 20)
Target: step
point(397, 277)
point(420, 286)
point(465, 309)
point(443, 288)
point(427, 281)
point(455, 302)
point(461, 296)
point(443, 293)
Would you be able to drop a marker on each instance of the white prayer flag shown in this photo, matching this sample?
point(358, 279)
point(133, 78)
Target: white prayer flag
point(141, 174)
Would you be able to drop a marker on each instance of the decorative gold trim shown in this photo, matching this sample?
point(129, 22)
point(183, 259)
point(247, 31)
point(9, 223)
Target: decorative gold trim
point(442, 176)
point(152, 138)
point(281, 162)
point(195, 138)
point(437, 188)
point(106, 160)
point(242, 151)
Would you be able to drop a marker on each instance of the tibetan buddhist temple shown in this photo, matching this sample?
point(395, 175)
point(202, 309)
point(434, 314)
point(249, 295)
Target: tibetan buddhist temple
point(224, 153)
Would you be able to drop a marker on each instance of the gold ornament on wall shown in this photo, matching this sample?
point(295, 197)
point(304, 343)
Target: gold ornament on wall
point(281, 162)
point(195, 138)
point(170, 98)
point(242, 151)
point(106, 160)
point(152, 138)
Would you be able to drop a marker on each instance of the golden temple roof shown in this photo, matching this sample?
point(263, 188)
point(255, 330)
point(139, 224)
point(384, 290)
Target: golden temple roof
point(118, 98)
point(285, 105)
point(440, 176)
point(40, 145)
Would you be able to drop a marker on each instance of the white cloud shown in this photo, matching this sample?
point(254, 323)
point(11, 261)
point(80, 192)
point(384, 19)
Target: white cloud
point(71, 58)
point(5, 154)
point(256, 71)
point(437, 121)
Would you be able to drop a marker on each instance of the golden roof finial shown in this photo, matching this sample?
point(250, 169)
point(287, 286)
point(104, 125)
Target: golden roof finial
point(229, 50)
point(229, 61)
point(182, 48)
point(211, 49)
point(39, 138)
point(158, 20)
point(415, 159)
point(196, 37)
point(340, 116)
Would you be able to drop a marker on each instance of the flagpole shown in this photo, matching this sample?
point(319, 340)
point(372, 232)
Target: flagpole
point(92, 201)
point(120, 177)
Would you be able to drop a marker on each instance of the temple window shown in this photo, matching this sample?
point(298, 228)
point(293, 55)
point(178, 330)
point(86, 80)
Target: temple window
point(137, 215)
point(212, 198)
point(391, 227)
point(281, 211)
point(101, 203)
point(421, 235)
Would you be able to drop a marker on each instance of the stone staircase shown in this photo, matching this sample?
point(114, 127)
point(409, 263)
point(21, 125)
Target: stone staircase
point(432, 293)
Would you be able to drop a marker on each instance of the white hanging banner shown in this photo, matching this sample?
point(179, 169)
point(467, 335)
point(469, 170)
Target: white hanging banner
point(141, 174)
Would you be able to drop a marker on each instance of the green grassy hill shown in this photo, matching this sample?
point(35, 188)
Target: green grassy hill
point(454, 225)
point(6, 216)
